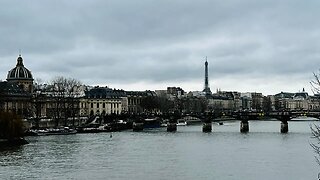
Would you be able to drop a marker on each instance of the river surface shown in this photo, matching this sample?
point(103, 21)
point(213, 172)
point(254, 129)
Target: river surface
point(154, 154)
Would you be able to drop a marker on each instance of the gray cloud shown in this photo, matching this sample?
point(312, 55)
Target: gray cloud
point(162, 43)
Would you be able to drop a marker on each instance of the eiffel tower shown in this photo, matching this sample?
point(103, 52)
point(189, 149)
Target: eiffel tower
point(206, 80)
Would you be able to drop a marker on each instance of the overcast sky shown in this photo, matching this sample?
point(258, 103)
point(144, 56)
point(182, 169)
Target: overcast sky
point(264, 46)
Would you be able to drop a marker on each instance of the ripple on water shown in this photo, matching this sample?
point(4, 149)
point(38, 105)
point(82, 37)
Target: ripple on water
point(225, 154)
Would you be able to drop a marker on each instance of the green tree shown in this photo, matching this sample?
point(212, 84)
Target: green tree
point(11, 126)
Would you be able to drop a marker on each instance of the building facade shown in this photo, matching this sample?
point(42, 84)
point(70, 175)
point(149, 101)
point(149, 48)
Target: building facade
point(102, 101)
point(14, 99)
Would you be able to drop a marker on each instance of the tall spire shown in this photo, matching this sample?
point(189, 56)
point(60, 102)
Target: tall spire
point(206, 79)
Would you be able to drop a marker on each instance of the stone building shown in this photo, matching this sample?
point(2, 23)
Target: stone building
point(135, 98)
point(14, 99)
point(292, 101)
point(314, 102)
point(101, 101)
point(220, 103)
point(257, 101)
point(174, 92)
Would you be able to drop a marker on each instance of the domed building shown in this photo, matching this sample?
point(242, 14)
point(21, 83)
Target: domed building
point(16, 92)
point(21, 75)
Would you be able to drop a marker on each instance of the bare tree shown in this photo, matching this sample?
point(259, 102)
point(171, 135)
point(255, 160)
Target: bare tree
point(65, 93)
point(315, 83)
point(315, 128)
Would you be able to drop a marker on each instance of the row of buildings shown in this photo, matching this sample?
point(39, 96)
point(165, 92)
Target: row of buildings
point(20, 95)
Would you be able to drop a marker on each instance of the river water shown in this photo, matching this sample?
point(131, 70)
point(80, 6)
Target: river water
point(154, 154)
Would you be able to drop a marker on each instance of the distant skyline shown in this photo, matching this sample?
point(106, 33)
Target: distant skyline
point(265, 46)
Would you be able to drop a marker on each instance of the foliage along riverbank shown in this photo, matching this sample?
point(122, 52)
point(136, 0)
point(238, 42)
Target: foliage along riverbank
point(11, 130)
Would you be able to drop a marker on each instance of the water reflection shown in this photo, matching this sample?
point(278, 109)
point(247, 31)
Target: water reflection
point(12, 156)
point(6, 150)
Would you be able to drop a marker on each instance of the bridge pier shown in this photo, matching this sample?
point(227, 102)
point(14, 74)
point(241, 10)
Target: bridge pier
point(284, 117)
point(137, 126)
point(207, 127)
point(244, 126)
point(171, 127)
point(284, 127)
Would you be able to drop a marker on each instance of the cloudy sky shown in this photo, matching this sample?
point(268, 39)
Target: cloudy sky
point(264, 46)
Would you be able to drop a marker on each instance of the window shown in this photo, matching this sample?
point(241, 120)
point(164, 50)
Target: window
point(91, 105)
point(104, 105)
point(97, 105)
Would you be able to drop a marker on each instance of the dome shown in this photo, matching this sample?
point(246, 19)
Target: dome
point(19, 72)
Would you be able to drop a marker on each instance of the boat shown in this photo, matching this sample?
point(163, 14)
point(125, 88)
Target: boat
point(304, 118)
point(192, 120)
point(104, 128)
point(164, 123)
point(181, 122)
point(47, 132)
point(152, 123)
point(90, 128)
